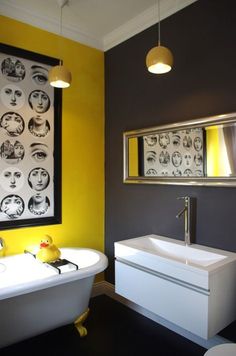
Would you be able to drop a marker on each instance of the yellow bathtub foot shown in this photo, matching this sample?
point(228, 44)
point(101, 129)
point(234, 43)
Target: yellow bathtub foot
point(79, 321)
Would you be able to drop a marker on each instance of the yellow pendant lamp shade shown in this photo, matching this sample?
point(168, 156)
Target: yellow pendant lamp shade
point(159, 60)
point(59, 77)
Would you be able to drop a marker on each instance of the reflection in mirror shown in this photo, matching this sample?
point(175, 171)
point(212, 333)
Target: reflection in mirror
point(194, 152)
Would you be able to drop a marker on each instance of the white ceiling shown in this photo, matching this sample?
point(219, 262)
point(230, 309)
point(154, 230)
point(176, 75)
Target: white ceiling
point(101, 24)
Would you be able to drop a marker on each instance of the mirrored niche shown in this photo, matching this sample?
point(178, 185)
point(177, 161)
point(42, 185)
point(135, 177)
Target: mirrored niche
point(195, 152)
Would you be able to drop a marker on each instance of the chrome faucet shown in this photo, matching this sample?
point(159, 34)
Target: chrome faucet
point(187, 219)
point(1, 243)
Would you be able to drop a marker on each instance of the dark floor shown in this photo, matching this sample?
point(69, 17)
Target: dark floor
point(113, 329)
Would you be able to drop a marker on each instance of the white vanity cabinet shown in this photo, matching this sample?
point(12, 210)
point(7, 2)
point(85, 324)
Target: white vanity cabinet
point(200, 299)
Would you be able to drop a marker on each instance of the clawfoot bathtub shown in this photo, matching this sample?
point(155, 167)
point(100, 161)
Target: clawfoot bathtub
point(35, 298)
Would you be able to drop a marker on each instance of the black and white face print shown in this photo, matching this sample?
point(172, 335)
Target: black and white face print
point(39, 74)
point(38, 204)
point(39, 101)
point(12, 123)
point(26, 139)
point(11, 179)
point(12, 206)
point(39, 151)
point(12, 152)
point(151, 140)
point(38, 179)
point(12, 97)
point(13, 69)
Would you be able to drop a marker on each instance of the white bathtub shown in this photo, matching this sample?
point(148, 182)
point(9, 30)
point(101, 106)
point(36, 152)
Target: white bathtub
point(34, 298)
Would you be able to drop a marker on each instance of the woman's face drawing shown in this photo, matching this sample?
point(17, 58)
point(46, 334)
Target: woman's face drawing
point(12, 206)
point(197, 143)
point(39, 101)
point(12, 123)
point(12, 96)
point(11, 179)
point(188, 159)
point(198, 159)
point(13, 69)
point(38, 179)
point(151, 140)
point(176, 159)
point(39, 74)
point(19, 150)
point(38, 151)
point(164, 140)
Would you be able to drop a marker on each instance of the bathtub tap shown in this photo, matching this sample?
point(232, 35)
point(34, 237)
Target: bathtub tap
point(1, 243)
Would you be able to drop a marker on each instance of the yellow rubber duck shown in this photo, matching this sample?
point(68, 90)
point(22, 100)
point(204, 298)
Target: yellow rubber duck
point(48, 251)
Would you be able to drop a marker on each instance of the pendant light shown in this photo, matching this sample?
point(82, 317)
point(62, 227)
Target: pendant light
point(159, 59)
point(59, 76)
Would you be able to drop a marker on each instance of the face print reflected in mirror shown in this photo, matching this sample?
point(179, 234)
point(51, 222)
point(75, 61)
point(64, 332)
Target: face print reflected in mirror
point(164, 158)
point(38, 179)
point(176, 158)
point(197, 143)
point(151, 140)
point(177, 173)
point(12, 96)
point(151, 157)
point(39, 101)
point(13, 69)
point(164, 140)
point(199, 173)
point(12, 151)
point(198, 159)
point(12, 123)
point(176, 140)
point(39, 151)
point(11, 179)
point(188, 159)
point(187, 142)
point(187, 173)
point(151, 172)
point(12, 206)
point(39, 74)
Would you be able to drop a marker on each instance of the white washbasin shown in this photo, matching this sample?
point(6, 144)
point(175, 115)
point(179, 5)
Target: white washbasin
point(152, 250)
point(177, 250)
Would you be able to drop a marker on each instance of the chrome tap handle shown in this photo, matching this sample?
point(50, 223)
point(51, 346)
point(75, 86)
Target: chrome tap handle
point(180, 213)
point(1, 243)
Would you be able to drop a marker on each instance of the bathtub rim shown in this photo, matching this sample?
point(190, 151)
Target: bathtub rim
point(55, 280)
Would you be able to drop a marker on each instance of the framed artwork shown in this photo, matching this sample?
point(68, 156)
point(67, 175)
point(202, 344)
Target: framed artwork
point(174, 154)
point(30, 140)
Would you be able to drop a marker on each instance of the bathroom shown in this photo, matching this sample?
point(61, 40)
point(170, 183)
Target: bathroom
point(201, 37)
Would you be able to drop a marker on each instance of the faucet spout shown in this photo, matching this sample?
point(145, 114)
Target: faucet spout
point(187, 218)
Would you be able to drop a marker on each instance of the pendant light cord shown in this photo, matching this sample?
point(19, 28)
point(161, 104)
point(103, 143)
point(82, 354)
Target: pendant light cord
point(61, 28)
point(159, 24)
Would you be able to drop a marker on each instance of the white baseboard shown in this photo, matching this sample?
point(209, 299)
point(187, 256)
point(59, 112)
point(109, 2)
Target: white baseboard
point(108, 289)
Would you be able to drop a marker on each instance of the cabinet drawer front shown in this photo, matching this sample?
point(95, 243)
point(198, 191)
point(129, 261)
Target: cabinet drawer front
point(173, 302)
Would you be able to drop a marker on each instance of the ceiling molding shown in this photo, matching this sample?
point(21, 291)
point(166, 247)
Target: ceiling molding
point(120, 34)
point(143, 21)
point(48, 24)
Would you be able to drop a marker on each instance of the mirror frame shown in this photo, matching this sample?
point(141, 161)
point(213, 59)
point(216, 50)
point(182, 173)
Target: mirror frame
point(192, 181)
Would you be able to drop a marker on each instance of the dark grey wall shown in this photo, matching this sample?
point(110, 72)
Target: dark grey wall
point(202, 83)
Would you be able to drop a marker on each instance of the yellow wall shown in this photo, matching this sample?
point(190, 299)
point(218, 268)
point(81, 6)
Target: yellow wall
point(82, 141)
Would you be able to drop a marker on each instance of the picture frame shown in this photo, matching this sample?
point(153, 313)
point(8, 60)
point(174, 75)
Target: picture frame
point(30, 140)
